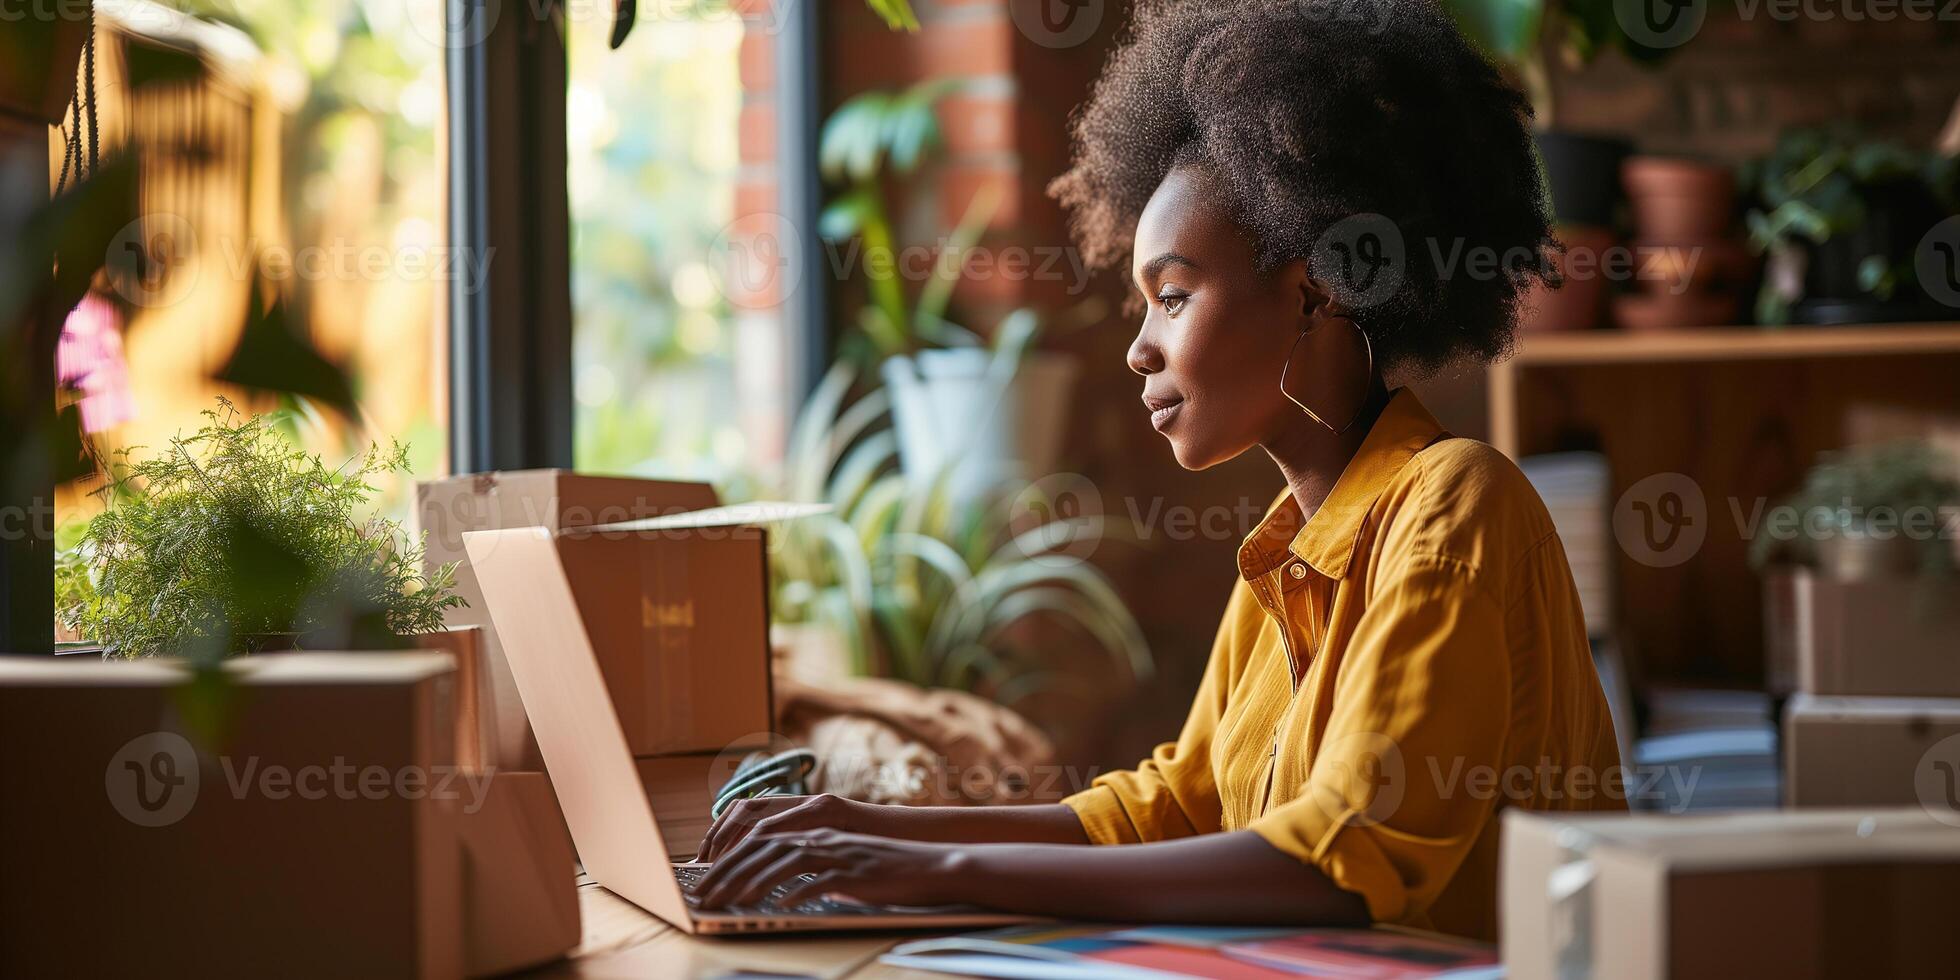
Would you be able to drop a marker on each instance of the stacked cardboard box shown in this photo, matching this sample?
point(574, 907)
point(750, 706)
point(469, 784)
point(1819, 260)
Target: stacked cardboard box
point(1764, 894)
point(323, 829)
point(555, 500)
point(1877, 722)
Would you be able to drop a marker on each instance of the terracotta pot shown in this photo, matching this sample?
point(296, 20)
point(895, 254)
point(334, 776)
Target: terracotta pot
point(1720, 265)
point(1679, 200)
point(1580, 303)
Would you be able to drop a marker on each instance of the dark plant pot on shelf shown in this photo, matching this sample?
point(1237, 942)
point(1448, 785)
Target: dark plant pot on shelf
point(1583, 173)
point(1897, 216)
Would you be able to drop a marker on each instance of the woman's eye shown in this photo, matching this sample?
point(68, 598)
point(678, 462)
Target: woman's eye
point(1172, 302)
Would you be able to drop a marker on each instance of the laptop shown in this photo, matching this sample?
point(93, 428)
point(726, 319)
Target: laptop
point(585, 752)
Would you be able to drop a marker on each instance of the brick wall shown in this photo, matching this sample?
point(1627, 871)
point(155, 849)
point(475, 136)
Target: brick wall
point(1724, 95)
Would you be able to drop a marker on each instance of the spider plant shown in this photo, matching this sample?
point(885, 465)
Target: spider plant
point(918, 587)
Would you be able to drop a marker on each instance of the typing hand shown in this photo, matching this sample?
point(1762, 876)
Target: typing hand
point(873, 870)
point(782, 814)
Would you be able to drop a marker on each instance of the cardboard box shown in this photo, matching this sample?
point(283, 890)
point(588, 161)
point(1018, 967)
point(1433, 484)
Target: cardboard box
point(1870, 751)
point(520, 899)
point(677, 612)
point(319, 839)
point(465, 645)
point(551, 499)
point(1757, 893)
point(1881, 637)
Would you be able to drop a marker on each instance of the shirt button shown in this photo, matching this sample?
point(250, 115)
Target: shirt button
point(1297, 570)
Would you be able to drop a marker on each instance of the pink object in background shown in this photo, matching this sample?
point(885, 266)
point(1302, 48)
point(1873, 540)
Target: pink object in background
point(90, 359)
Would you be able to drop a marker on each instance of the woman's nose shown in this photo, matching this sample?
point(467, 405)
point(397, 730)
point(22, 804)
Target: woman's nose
point(1144, 357)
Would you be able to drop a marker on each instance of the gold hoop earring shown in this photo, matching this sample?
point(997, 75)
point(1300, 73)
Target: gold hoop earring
point(1367, 382)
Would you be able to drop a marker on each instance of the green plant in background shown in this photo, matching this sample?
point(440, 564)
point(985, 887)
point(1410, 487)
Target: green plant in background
point(917, 587)
point(1820, 185)
point(230, 540)
point(1522, 32)
point(1871, 492)
point(870, 137)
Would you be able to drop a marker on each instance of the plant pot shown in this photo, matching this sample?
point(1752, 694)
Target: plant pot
point(1676, 200)
point(1897, 216)
point(955, 419)
point(1583, 173)
point(1863, 558)
point(1578, 304)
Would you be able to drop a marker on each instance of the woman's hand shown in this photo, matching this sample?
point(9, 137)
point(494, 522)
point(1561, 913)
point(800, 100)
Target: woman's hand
point(873, 870)
point(785, 814)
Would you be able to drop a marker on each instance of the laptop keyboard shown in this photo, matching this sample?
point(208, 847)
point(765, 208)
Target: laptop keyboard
point(690, 879)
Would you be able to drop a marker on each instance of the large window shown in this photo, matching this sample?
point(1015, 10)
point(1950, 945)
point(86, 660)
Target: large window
point(289, 149)
point(652, 139)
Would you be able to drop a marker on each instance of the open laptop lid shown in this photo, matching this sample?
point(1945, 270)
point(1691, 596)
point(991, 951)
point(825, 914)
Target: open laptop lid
point(564, 694)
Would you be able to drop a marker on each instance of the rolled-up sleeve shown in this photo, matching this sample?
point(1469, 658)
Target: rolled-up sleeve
point(1174, 792)
point(1423, 702)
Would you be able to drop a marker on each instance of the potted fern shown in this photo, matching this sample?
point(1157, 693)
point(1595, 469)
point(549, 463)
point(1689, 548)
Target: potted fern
point(231, 541)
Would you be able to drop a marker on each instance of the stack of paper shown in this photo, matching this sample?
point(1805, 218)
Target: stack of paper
point(1577, 491)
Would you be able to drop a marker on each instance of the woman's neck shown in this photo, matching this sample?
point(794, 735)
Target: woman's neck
point(1312, 457)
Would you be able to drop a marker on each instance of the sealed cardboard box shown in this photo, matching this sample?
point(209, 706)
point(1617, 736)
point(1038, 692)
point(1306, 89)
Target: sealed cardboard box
point(1841, 751)
point(676, 611)
point(520, 899)
point(318, 838)
point(551, 499)
point(1761, 894)
point(1878, 636)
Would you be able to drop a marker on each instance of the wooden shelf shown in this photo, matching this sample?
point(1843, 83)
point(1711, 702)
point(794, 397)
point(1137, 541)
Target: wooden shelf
point(1743, 412)
point(1604, 347)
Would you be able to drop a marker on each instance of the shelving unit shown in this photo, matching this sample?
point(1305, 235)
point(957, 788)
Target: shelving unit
point(1745, 410)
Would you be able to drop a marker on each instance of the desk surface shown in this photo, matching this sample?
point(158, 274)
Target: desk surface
point(622, 940)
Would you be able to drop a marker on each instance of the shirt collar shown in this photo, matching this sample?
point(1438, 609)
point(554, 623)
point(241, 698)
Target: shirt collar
point(1327, 541)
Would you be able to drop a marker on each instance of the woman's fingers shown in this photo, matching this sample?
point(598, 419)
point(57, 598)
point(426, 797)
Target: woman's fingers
point(736, 822)
point(845, 880)
point(745, 867)
point(801, 858)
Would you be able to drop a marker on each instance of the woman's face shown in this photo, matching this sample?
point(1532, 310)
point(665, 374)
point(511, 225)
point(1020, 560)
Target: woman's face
point(1216, 331)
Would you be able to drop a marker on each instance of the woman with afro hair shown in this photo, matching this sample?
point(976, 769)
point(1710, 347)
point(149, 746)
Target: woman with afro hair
point(1310, 205)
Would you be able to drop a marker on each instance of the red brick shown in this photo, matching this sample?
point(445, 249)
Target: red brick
point(960, 182)
point(758, 61)
point(756, 135)
point(977, 124)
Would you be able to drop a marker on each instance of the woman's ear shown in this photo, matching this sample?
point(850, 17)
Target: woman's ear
point(1316, 303)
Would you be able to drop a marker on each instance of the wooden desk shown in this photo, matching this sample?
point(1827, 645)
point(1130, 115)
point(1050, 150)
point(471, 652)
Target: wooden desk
point(622, 940)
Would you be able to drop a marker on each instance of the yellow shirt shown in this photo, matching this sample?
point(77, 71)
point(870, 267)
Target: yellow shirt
point(1444, 673)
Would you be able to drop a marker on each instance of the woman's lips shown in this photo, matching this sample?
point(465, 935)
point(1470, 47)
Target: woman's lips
point(1162, 414)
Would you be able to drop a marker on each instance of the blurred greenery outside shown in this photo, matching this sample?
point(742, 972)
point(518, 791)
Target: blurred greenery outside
point(361, 165)
point(651, 132)
point(651, 140)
